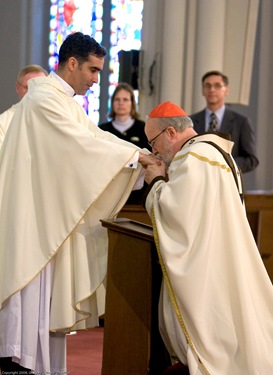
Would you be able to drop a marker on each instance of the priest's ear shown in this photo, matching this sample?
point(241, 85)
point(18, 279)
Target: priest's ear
point(72, 63)
point(171, 131)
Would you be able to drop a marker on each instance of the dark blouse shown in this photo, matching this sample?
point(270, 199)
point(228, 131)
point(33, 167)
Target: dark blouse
point(135, 134)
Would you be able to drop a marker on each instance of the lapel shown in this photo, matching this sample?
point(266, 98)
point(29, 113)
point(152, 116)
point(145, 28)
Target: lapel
point(199, 122)
point(227, 121)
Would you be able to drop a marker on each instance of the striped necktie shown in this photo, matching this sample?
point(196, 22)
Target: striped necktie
point(213, 122)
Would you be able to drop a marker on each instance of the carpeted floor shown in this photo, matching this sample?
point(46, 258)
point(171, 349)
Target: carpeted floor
point(84, 352)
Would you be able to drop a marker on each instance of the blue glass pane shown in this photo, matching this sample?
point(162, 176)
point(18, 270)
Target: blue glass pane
point(126, 26)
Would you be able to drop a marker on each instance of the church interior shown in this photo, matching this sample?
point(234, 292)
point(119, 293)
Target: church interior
point(180, 40)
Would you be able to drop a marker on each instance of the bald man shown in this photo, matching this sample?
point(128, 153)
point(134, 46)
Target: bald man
point(216, 299)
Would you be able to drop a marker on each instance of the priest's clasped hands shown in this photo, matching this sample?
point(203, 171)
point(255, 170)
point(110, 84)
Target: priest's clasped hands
point(154, 167)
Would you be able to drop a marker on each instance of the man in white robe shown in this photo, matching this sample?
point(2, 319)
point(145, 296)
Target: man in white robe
point(216, 304)
point(26, 73)
point(59, 176)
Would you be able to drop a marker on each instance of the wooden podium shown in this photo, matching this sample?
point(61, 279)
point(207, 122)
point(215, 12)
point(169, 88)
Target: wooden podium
point(132, 344)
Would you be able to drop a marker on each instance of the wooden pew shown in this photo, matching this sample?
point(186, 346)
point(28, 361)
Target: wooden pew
point(259, 208)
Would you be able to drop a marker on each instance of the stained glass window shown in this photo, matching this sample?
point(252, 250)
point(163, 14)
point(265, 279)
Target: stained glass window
point(68, 16)
point(125, 34)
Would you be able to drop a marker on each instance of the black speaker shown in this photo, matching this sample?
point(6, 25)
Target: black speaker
point(128, 67)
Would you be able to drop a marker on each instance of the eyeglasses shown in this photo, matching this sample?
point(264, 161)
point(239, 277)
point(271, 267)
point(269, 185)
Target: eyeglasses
point(216, 86)
point(152, 141)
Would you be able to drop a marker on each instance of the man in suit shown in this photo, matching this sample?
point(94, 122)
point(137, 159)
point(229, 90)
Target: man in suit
point(217, 117)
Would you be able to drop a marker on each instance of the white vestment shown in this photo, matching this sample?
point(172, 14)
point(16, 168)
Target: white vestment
point(59, 176)
point(5, 119)
point(216, 298)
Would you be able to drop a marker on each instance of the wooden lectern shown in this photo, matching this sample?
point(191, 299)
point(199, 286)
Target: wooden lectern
point(132, 344)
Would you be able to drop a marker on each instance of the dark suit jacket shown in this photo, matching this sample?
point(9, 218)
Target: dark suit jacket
point(241, 132)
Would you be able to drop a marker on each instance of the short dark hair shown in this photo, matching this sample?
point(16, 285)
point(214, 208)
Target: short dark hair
point(80, 46)
point(215, 73)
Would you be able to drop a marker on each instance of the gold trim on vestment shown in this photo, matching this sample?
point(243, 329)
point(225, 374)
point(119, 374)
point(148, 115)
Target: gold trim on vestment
point(203, 158)
point(169, 286)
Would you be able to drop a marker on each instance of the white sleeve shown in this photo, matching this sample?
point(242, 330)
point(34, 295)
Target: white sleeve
point(133, 163)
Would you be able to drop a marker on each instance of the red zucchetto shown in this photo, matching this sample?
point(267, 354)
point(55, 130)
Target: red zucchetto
point(167, 109)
